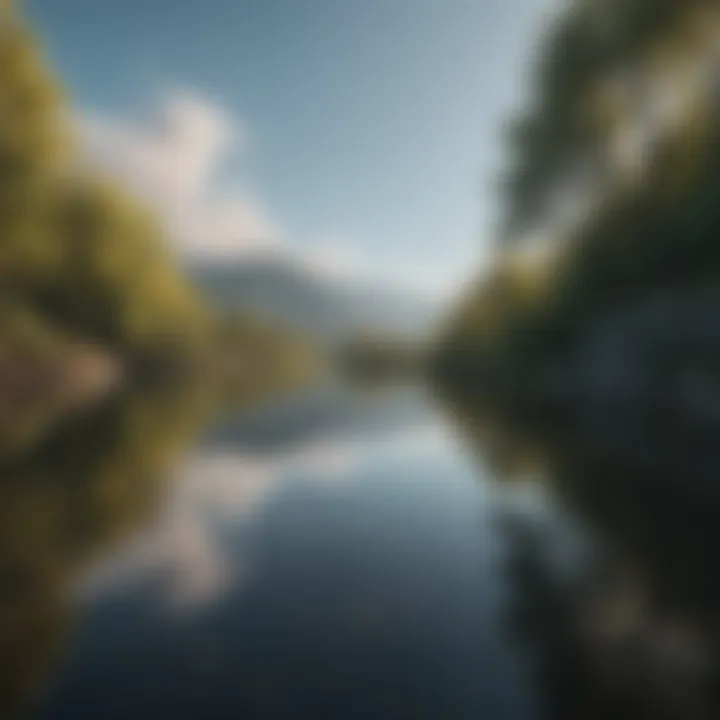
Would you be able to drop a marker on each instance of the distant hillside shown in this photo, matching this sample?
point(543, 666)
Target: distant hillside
point(296, 297)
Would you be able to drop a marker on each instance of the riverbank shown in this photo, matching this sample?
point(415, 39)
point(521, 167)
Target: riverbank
point(44, 379)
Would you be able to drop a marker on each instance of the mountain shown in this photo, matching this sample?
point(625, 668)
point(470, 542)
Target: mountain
point(297, 297)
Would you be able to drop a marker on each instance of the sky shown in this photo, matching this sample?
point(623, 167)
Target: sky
point(358, 137)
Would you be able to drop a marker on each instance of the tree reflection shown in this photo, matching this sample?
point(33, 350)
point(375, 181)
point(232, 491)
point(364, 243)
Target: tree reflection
point(636, 634)
point(68, 501)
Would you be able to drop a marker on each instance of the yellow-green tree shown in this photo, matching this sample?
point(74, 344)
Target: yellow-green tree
point(74, 248)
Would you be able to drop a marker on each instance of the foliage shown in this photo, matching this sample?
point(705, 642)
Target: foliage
point(378, 357)
point(651, 229)
point(252, 359)
point(74, 249)
point(592, 47)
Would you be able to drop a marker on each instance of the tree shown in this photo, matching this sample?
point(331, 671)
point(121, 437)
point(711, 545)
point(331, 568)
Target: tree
point(628, 90)
point(75, 248)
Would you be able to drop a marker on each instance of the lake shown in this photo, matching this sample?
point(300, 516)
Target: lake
point(333, 555)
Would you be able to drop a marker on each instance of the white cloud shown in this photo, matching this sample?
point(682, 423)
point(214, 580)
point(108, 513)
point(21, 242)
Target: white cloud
point(175, 160)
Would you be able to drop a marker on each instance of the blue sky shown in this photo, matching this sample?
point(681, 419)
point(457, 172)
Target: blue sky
point(370, 127)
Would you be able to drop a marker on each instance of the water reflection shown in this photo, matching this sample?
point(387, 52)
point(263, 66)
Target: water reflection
point(631, 457)
point(66, 502)
point(331, 556)
point(343, 556)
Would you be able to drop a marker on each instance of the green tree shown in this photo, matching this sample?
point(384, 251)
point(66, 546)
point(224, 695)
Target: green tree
point(623, 129)
point(75, 248)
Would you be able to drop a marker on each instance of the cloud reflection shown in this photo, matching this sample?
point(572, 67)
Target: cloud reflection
point(185, 556)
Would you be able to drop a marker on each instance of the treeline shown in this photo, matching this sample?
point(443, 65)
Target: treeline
point(611, 200)
point(86, 270)
point(77, 251)
point(254, 358)
point(586, 357)
point(379, 358)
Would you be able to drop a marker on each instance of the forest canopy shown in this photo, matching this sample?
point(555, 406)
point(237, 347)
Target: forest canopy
point(611, 197)
point(77, 250)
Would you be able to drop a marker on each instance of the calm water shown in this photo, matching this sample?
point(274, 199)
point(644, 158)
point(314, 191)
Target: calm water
point(331, 556)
